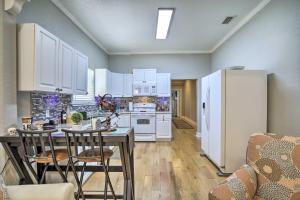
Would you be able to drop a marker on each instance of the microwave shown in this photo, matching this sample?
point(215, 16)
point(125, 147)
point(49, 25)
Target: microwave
point(144, 89)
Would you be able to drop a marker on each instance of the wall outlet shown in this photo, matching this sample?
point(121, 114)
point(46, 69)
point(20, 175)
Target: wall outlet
point(47, 113)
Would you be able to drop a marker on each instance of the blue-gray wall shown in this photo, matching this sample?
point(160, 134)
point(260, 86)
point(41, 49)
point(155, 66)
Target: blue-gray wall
point(46, 14)
point(181, 66)
point(271, 41)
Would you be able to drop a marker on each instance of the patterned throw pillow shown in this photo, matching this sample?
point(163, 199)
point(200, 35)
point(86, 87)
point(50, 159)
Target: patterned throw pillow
point(276, 160)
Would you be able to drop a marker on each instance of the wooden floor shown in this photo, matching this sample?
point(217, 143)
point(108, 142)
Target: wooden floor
point(167, 170)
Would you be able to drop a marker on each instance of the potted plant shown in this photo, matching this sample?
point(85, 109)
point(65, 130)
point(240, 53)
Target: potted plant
point(77, 119)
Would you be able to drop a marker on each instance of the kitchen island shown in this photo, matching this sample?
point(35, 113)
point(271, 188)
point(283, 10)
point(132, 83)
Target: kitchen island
point(123, 138)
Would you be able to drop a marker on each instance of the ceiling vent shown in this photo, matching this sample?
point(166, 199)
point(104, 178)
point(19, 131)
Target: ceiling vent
point(227, 20)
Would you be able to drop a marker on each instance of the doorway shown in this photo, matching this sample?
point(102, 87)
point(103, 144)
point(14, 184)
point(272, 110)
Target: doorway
point(184, 101)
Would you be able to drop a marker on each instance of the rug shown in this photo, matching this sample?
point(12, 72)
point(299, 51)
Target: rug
point(181, 124)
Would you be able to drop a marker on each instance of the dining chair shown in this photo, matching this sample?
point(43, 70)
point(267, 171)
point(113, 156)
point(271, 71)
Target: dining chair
point(38, 147)
point(87, 147)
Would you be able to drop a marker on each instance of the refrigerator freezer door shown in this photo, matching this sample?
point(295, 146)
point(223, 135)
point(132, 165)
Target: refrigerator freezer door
point(216, 132)
point(205, 115)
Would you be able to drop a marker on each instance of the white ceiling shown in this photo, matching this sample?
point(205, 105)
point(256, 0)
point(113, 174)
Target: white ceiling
point(129, 26)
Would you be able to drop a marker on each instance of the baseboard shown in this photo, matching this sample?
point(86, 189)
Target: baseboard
point(198, 134)
point(188, 120)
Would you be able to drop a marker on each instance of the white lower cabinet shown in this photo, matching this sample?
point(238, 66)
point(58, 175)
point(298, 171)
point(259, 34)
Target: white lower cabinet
point(164, 126)
point(124, 120)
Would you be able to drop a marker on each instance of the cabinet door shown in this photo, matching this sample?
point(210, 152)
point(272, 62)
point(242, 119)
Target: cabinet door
point(127, 90)
point(163, 126)
point(139, 75)
point(66, 67)
point(47, 72)
point(81, 73)
point(124, 120)
point(150, 75)
point(117, 84)
point(163, 83)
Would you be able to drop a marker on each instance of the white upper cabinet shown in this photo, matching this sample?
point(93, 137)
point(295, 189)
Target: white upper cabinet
point(117, 81)
point(80, 70)
point(150, 75)
point(66, 67)
point(102, 82)
point(144, 75)
point(46, 63)
point(116, 84)
point(163, 83)
point(37, 59)
point(127, 85)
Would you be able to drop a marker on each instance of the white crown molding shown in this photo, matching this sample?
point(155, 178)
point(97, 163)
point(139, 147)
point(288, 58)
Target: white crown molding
point(158, 52)
point(60, 6)
point(243, 22)
point(14, 7)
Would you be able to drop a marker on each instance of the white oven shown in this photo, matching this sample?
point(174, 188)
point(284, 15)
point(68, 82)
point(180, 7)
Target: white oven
point(143, 120)
point(143, 123)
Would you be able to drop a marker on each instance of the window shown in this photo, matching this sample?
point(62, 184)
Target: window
point(90, 97)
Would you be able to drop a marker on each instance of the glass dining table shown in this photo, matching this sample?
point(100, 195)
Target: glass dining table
point(123, 138)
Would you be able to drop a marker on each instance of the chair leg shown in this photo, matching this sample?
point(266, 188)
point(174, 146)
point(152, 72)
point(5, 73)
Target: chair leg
point(82, 173)
point(106, 184)
point(79, 192)
point(60, 172)
point(32, 170)
point(67, 169)
point(44, 174)
point(105, 168)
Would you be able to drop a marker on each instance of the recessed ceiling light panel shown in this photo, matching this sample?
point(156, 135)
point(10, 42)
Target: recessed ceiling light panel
point(164, 19)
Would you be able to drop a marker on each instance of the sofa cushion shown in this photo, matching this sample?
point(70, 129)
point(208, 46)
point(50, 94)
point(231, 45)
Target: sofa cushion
point(276, 160)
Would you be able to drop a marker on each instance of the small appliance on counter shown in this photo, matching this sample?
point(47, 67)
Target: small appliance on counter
point(49, 126)
point(130, 106)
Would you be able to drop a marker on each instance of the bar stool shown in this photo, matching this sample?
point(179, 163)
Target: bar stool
point(38, 148)
point(89, 148)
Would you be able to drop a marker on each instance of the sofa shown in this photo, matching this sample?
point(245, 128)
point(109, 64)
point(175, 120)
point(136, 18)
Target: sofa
point(61, 191)
point(272, 171)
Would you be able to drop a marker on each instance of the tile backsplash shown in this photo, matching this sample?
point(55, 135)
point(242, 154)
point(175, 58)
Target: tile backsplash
point(43, 101)
point(54, 103)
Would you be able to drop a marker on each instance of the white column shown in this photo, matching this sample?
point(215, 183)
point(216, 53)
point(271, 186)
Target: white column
point(8, 69)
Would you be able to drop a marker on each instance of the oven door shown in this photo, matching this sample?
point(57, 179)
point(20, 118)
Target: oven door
point(143, 123)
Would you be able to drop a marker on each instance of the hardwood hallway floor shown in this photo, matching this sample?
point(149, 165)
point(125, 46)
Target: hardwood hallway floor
point(167, 170)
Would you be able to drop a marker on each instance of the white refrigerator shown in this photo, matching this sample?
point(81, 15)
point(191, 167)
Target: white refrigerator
point(234, 106)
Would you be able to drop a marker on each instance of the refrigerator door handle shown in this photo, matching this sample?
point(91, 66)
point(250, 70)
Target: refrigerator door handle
point(207, 109)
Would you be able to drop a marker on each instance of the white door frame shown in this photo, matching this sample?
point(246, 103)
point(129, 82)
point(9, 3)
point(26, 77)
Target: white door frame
point(199, 107)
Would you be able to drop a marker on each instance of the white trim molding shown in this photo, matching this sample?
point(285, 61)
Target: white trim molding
point(61, 7)
point(158, 52)
point(243, 22)
point(198, 134)
point(14, 7)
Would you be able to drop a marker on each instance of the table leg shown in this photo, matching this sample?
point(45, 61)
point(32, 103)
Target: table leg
point(128, 170)
point(18, 164)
